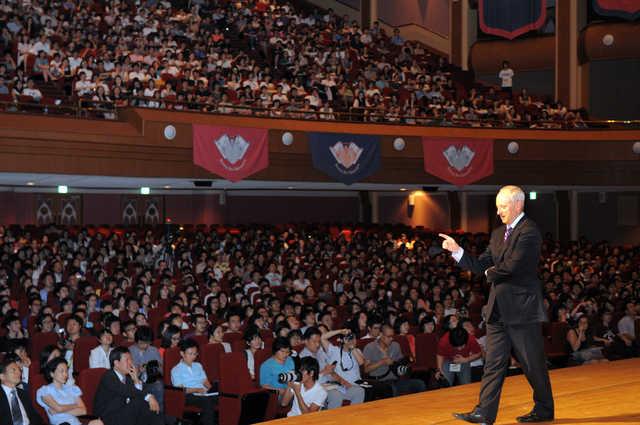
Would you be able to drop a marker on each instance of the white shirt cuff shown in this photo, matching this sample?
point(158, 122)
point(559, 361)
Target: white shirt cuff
point(147, 397)
point(458, 255)
point(138, 386)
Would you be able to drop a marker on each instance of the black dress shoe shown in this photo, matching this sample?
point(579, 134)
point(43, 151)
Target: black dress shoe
point(533, 417)
point(473, 417)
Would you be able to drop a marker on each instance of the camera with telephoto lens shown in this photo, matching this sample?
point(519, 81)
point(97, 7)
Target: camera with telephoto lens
point(286, 377)
point(401, 368)
point(348, 337)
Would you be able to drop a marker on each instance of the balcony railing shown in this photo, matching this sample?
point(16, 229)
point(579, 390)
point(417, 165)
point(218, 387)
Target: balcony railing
point(90, 109)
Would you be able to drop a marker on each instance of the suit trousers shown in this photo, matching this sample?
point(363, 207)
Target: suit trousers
point(136, 412)
point(527, 342)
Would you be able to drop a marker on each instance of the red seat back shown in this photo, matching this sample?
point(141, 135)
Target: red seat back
point(234, 374)
point(41, 340)
point(88, 381)
point(210, 358)
point(230, 337)
point(171, 358)
point(82, 350)
point(404, 345)
point(260, 357)
point(202, 340)
point(35, 382)
point(426, 347)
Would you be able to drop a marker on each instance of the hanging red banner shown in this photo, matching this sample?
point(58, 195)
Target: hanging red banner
point(459, 161)
point(230, 152)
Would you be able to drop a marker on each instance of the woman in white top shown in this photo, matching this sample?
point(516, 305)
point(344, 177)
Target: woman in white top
point(254, 343)
point(216, 333)
point(61, 401)
point(99, 356)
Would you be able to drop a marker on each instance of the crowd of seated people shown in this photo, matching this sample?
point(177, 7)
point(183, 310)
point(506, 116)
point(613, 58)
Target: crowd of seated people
point(355, 301)
point(262, 57)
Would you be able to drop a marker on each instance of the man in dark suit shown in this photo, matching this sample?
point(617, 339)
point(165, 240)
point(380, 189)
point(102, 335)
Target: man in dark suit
point(14, 402)
point(515, 308)
point(119, 398)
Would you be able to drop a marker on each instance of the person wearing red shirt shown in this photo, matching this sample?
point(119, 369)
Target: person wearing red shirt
point(456, 350)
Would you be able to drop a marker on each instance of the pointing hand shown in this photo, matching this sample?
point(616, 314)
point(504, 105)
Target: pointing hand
point(449, 243)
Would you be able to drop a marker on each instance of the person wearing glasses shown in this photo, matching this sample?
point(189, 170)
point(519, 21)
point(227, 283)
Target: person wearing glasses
point(190, 375)
point(348, 358)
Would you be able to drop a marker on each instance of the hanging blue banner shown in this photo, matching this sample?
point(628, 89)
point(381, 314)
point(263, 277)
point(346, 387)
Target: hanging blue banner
point(625, 9)
point(511, 18)
point(347, 158)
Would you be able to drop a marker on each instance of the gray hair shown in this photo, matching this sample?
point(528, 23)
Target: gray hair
point(513, 193)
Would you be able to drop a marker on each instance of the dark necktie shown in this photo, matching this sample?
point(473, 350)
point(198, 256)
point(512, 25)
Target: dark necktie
point(507, 233)
point(16, 413)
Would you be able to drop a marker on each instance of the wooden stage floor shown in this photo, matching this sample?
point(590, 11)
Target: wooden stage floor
point(606, 393)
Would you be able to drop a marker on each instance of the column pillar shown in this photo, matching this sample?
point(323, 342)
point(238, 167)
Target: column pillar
point(457, 31)
point(373, 11)
point(573, 215)
point(563, 216)
point(374, 198)
point(454, 210)
point(464, 211)
point(571, 79)
point(365, 13)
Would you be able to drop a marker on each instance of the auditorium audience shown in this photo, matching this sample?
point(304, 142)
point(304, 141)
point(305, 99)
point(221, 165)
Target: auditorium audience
point(279, 59)
point(365, 280)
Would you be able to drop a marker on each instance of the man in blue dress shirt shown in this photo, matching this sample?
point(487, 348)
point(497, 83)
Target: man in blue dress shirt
point(189, 374)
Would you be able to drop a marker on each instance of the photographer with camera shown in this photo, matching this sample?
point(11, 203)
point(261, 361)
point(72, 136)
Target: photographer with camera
point(386, 364)
point(308, 395)
point(147, 360)
point(347, 359)
point(456, 351)
point(327, 375)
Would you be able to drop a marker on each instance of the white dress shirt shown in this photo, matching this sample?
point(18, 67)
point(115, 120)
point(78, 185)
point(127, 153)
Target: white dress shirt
point(99, 358)
point(8, 391)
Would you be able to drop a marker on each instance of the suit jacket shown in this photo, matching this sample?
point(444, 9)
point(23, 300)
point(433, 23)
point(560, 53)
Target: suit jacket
point(112, 396)
point(5, 418)
point(513, 273)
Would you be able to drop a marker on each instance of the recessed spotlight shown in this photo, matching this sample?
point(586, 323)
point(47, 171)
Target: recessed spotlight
point(63, 189)
point(145, 191)
point(31, 184)
point(167, 186)
point(403, 189)
point(290, 187)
